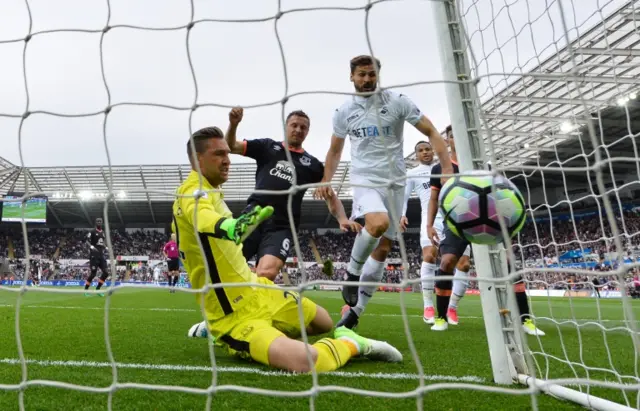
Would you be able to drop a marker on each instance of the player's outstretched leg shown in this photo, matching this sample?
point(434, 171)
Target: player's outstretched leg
point(460, 285)
point(104, 274)
point(101, 280)
point(443, 295)
point(443, 291)
point(368, 348)
point(376, 223)
point(523, 306)
point(87, 283)
point(363, 245)
point(427, 276)
point(372, 271)
point(452, 248)
point(328, 354)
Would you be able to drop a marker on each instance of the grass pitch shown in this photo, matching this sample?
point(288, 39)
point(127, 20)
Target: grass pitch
point(63, 337)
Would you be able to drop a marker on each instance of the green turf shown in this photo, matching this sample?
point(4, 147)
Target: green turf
point(143, 336)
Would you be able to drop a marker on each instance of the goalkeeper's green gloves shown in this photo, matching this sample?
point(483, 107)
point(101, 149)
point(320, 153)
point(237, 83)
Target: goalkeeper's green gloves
point(238, 229)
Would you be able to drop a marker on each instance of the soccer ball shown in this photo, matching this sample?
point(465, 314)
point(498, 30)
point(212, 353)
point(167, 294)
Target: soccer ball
point(198, 330)
point(472, 211)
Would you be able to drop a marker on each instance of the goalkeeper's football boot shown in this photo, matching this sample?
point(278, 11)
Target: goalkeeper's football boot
point(350, 292)
point(530, 328)
point(429, 316)
point(440, 325)
point(198, 330)
point(372, 349)
point(349, 318)
point(452, 316)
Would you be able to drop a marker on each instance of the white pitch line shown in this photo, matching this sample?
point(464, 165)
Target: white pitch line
point(192, 310)
point(243, 370)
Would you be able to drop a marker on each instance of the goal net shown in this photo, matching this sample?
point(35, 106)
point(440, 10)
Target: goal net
point(554, 108)
point(544, 91)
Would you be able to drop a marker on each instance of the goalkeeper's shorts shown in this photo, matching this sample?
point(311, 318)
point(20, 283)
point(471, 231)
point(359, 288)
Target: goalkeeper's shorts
point(270, 313)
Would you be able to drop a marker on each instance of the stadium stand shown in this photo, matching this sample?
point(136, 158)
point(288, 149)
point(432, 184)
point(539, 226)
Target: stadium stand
point(140, 223)
point(55, 249)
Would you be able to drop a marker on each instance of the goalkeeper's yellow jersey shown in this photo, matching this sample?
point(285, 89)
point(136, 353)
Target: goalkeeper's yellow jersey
point(223, 257)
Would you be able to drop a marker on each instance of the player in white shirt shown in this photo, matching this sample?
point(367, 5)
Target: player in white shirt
point(455, 251)
point(374, 124)
point(157, 272)
point(418, 179)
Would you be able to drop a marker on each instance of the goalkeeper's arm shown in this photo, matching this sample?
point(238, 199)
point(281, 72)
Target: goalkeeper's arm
point(208, 221)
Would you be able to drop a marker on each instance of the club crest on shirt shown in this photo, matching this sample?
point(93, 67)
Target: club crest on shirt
point(353, 117)
point(305, 161)
point(200, 194)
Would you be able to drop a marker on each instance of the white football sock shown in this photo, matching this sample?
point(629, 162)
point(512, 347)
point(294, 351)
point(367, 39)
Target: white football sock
point(372, 271)
point(362, 248)
point(460, 285)
point(427, 275)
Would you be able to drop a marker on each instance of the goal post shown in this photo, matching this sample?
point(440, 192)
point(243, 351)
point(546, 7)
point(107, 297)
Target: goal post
point(512, 361)
point(461, 96)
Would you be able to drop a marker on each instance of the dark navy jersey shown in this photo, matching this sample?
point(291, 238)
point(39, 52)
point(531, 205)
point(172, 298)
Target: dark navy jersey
point(437, 169)
point(274, 172)
point(96, 238)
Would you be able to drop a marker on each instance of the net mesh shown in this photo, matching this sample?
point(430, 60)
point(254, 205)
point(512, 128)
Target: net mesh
point(547, 123)
point(561, 122)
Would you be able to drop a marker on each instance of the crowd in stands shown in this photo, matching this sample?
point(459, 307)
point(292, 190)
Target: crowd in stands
point(540, 243)
point(338, 246)
point(549, 239)
point(41, 243)
point(4, 246)
point(144, 243)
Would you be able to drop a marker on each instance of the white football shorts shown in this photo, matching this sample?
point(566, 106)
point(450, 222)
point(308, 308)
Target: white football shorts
point(379, 200)
point(439, 226)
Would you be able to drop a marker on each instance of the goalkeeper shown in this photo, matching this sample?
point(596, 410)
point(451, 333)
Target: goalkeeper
point(250, 322)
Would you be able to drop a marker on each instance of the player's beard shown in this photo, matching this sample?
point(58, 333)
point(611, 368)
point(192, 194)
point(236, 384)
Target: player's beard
point(295, 142)
point(366, 88)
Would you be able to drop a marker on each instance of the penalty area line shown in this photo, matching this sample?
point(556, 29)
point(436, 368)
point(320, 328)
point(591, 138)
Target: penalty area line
point(242, 370)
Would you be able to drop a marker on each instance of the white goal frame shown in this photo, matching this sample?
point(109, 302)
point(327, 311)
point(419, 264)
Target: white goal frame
point(510, 358)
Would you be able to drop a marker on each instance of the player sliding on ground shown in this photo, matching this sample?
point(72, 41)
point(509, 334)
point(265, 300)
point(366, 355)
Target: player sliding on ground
point(375, 125)
point(271, 242)
point(250, 322)
point(452, 249)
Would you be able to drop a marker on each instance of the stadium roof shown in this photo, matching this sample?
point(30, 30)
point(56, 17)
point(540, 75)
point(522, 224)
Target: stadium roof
point(143, 193)
point(540, 118)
